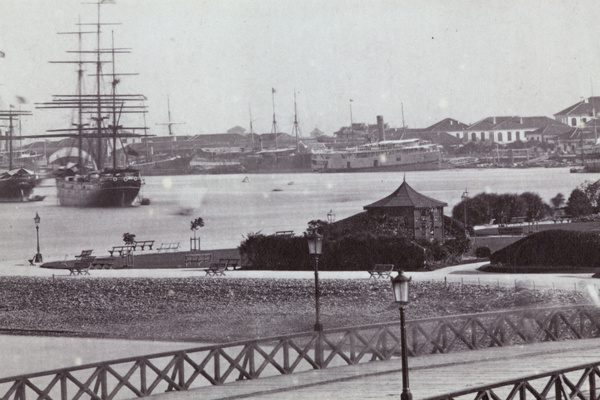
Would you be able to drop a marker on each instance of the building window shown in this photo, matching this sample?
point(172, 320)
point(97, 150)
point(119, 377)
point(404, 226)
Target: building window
point(584, 120)
point(473, 136)
point(509, 136)
point(517, 135)
point(500, 136)
point(482, 136)
point(573, 121)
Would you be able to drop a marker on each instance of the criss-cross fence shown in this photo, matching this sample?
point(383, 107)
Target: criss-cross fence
point(580, 382)
point(214, 365)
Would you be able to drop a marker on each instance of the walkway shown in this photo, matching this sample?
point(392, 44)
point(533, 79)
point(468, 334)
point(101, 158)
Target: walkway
point(429, 375)
point(460, 274)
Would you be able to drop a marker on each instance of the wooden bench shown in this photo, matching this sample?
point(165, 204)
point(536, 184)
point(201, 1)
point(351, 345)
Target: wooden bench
point(216, 269)
point(168, 247)
point(103, 262)
point(142, 244)
point(197, 260)
point(381, 271)
point(230, 263)
point(79, 268)
point(85, 254)
point(122, 250)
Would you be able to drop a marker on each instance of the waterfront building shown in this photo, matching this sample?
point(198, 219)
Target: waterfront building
point(421, 215)
point(504, 130)
point(579, 113)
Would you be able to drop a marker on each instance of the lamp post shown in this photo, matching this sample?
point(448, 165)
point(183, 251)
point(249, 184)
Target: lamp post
point(330, 216)
point(38, 256)
point(464, 198)
point(400, 285)
point(315, 247)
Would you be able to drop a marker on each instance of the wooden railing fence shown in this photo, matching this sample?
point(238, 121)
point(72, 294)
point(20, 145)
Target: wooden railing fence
point(580, 382)
point(214, 365)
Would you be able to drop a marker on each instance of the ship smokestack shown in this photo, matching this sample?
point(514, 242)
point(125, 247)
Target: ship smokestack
point(380, 130)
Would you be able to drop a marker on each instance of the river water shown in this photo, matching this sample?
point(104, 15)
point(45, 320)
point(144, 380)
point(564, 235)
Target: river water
point(232, 208)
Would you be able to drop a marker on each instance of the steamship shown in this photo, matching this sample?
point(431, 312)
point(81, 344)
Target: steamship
point(382, 155)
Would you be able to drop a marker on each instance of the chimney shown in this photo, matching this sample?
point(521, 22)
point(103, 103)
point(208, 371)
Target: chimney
point(380, 129)
point(494, 120)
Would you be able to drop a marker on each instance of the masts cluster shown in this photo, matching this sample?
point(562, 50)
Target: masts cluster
point(99, 114)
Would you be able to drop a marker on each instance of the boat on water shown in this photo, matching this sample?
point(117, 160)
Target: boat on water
point(17, 183)
point(99, 129)
point(387, 155)
point(382, 155)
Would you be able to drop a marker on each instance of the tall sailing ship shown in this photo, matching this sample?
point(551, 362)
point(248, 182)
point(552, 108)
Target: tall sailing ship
point(104, 179)
point(17, 183)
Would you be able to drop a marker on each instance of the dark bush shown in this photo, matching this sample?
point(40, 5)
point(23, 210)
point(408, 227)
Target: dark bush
point(552, 248)
point(483, 252)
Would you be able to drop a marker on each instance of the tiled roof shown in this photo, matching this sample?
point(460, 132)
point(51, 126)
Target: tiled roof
point(447, 125)
point(406, 196)
point(550, 130)
point(584, 107)
point(514, 122)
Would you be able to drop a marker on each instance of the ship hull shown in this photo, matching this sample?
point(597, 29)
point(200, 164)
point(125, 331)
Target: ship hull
point(419, 161)
point(283, 164)
point(99, 190)
point(178, 165)
point(17, 187)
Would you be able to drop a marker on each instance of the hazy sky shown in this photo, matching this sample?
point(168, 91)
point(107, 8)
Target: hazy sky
point(216, 58)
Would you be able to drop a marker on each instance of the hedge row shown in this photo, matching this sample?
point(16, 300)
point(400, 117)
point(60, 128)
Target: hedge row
point(351, 252)
point(552, 248)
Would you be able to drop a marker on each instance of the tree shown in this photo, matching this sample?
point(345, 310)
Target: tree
point(578, 203)
point(196, 224)
point(129, 238)
point(558, 200)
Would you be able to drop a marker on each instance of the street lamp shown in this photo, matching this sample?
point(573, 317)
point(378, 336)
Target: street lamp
point(400, 286)
point(330, 216)
point(464, 198)
point(315, 247)
point(38, 256)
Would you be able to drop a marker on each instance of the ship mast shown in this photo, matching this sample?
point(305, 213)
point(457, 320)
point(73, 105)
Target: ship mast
point(351, 123)
point(296, 127)
point(10, 115)
point(274, 128)
point(169, 122)
point(251, 130)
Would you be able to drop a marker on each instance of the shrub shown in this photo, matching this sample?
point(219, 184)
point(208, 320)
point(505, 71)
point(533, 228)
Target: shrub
point(552, 248)
point(483, 252)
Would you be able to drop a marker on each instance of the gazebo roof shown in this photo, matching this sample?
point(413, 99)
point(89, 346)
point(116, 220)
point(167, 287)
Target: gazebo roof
point(406, 196)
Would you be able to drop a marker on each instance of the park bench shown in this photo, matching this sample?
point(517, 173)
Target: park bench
point(122, 250)
point(103, 262)
point(216, 269)
point(197, 260)
point(381, 271)
point(142, 244)
point(230, 263)
point(79, 268)
point(168, 247)
point(85, 255)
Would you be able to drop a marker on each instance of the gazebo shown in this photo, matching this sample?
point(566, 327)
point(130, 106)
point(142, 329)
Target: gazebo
point(422, 215)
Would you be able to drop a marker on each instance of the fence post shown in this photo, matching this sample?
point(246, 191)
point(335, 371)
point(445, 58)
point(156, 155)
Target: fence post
point(319, 349)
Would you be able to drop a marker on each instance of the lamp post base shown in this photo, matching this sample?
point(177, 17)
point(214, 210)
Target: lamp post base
point(318, 327)
point(38, 258)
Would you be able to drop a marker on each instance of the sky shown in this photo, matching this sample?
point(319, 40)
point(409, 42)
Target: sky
point(218, 60)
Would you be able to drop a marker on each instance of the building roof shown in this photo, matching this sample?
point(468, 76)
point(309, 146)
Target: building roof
point(584, 107)
point(406, 196)
point(513, 122)
point(447, 125)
